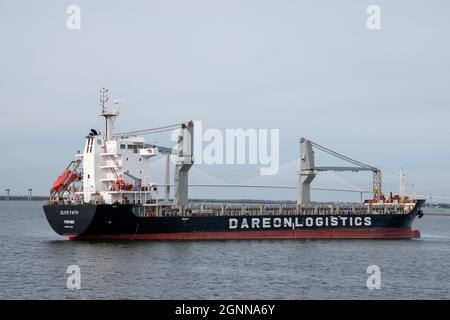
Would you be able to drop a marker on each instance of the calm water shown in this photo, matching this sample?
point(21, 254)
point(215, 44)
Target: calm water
point(33, 263)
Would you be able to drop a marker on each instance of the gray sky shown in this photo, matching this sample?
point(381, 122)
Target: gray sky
point(309, 68)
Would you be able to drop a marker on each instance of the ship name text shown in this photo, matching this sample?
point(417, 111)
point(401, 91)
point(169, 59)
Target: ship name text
point(68, 212)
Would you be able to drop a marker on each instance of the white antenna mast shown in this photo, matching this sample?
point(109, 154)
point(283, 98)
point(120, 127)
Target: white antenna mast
point(109, 115)
point(402, 177)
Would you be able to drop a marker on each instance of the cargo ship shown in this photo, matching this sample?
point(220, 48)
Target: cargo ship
point(105, 194)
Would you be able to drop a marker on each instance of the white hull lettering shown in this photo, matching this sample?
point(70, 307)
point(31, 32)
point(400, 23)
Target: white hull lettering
point(298, 222)
point(277, 222)
point(233, 223)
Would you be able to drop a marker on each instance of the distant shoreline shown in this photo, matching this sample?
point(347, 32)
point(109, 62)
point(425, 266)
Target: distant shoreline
point(24, 198)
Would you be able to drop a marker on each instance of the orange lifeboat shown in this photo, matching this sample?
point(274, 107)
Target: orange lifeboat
point(66, 178)
point(121, 185)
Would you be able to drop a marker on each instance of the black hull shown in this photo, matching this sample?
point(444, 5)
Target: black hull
point(102, 221)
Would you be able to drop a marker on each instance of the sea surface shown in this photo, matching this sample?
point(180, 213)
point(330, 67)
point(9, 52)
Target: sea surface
point(34, 261)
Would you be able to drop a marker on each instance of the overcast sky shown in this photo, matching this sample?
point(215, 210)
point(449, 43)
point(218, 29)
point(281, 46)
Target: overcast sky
point(309, 68)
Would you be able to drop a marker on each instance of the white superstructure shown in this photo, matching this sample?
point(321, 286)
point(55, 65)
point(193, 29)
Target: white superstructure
point(114, 168)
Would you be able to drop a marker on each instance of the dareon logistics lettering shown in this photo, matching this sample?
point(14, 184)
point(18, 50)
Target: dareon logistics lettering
point(298, 222)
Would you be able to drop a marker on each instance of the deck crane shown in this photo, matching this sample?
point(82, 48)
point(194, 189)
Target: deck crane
point(185, 159)
point(137, 181)
point(308, 170)
point(167, 152)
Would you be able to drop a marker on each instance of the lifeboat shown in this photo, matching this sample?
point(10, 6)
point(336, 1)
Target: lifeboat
point(65, 179)
point(121, 185)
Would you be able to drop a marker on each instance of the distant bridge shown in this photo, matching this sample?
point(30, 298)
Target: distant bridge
point(274, 187)
point(361, 192)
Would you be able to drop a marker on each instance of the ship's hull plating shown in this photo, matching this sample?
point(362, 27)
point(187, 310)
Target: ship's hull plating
point(118, 222)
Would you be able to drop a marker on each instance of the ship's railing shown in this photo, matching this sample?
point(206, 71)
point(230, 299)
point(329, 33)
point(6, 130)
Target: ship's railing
point(65, 202)
point(272, 210)
point(242, 209)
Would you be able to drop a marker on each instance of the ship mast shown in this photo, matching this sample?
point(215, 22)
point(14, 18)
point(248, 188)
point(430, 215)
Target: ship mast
point(402, 176)
point(109, 114)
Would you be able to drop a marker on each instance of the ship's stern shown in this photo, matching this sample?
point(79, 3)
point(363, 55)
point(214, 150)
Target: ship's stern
point(70, 220)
